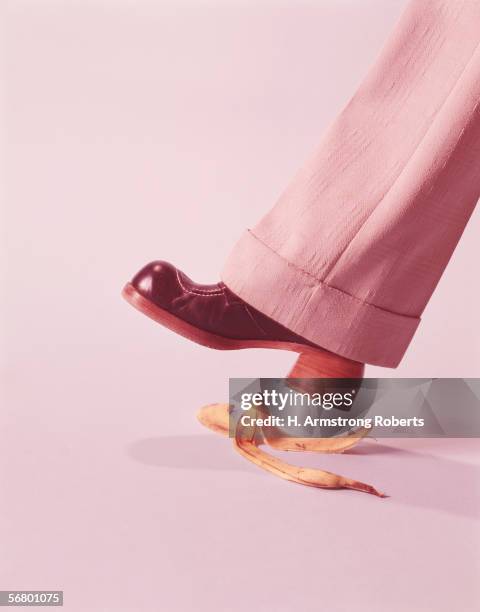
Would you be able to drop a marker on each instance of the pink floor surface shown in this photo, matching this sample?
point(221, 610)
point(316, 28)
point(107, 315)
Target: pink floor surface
point(113, 493)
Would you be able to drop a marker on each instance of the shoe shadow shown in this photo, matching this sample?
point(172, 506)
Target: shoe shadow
point(373, 448)
point(409, 477)
point(204, 452)
point(189, 452)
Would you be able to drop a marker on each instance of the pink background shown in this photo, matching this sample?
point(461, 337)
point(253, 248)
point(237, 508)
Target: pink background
point(143, 130)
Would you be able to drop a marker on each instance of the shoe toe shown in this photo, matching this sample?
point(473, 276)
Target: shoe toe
point(157, 281)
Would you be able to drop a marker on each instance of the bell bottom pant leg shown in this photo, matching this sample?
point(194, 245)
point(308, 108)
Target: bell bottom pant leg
point(352, 251)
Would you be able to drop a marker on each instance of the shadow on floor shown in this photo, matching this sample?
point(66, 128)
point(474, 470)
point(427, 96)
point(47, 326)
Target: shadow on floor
point(189, 452)
point(409, 477)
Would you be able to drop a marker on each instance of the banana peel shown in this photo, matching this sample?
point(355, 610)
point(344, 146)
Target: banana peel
point(215, 417)
point(248, 439)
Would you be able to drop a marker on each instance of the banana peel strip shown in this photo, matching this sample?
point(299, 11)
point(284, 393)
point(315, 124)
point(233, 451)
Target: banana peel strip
point(248, 438)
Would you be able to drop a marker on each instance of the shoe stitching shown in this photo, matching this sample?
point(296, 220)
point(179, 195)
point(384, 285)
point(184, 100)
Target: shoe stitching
point(202, 292)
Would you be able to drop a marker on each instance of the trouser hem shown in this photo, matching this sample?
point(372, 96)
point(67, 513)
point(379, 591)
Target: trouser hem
point(325, 315)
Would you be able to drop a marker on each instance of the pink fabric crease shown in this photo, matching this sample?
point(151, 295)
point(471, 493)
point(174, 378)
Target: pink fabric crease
point(352, 251)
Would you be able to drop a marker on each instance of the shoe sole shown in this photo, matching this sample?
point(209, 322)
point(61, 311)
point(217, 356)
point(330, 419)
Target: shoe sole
point(200, 336)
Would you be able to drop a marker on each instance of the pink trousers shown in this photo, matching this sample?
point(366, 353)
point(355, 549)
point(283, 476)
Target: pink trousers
point(350, 254)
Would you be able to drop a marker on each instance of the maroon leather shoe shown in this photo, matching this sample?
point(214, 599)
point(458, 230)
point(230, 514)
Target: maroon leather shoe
point(210, 315)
